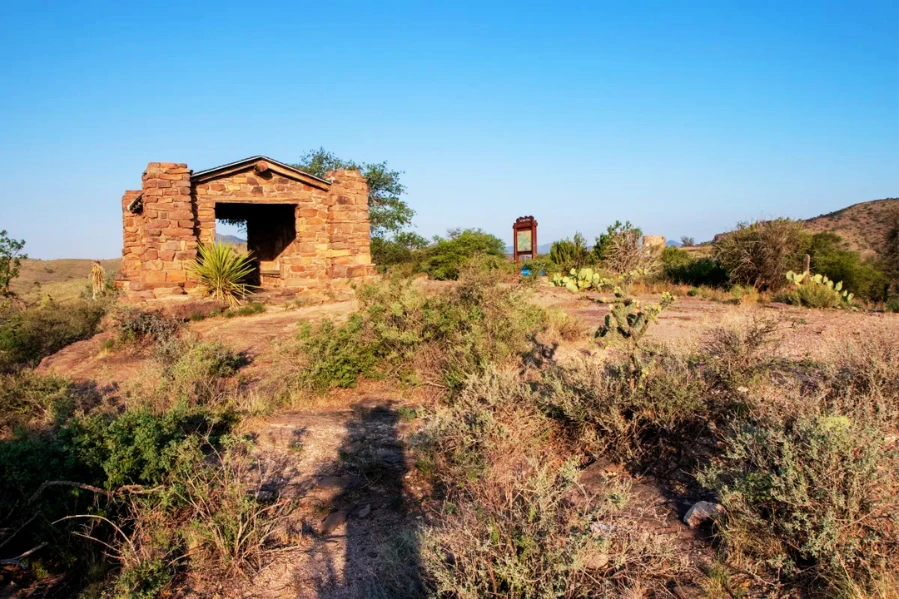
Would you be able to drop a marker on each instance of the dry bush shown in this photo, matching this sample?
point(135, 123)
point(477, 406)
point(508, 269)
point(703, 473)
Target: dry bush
point(867, 363)
point(623, 250)
point(229, 529)
point(27, 335)
point(890, 247)
point(738, 353)
point(27, 397)
point(809, 472)
point(661, 423)
point(760, 254)
point(515, 523)
point(512, 533)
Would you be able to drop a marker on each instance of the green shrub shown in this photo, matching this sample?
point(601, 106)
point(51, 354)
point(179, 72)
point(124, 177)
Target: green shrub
point(137, 447)
point(247, 310)
point(197, 376)
point(102, 451)
point(407, 335)
point(828, 258)
point(10, 260)
point(335, 356)
point(223, 272)
point(445, 257)
point(892, 304)
point(146, 579)
point(30, 334)
point(679, 267)
point(404, 248)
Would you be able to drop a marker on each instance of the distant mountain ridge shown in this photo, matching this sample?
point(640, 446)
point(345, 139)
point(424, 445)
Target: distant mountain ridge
point(541, 249)
point(230, 239)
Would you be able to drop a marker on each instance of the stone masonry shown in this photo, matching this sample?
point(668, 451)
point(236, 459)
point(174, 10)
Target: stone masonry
point(310, 236)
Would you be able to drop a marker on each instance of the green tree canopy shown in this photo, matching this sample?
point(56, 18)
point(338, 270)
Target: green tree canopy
point(387, 212)
point(10, 259)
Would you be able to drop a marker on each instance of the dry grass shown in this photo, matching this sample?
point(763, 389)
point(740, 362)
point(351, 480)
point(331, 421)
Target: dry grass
point(63, 280)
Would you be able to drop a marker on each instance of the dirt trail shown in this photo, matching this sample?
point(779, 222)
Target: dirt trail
point(349, 471)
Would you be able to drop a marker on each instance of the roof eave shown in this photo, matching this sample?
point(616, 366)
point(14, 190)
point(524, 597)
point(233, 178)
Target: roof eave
point(275, 165)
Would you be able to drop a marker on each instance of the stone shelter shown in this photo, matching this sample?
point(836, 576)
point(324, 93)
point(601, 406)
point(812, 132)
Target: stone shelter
point(308, 235)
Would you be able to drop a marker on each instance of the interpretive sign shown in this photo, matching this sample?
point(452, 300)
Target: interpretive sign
point(524, 235)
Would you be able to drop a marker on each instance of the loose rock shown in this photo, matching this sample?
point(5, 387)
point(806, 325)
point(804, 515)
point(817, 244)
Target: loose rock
point(702, 511)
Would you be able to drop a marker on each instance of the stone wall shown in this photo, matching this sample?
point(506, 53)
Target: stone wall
point(330, 219)
point(349, 228)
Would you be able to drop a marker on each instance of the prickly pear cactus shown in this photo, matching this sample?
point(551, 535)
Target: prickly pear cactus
point(817, 291)
point(586, 279)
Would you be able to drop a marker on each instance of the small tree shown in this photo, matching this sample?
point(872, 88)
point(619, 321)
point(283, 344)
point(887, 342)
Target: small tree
point(621, 250)
point(570, 253)
point(687, 241)
point(761, 253)
point(10, 261)
point(388, 213)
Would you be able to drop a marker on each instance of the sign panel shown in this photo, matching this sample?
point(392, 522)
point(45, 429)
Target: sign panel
point(525, 242)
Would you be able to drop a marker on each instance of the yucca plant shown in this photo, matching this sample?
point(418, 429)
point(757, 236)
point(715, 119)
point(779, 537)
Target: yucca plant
point(222, 272)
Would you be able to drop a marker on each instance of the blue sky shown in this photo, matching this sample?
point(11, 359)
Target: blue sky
point(683, 117)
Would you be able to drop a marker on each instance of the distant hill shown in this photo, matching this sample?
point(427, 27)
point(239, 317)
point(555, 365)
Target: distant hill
point(230, 239)
point(541, 249)
point(861, 225)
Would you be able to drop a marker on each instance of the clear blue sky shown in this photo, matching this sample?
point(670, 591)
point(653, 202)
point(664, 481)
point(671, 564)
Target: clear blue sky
point(683, 117)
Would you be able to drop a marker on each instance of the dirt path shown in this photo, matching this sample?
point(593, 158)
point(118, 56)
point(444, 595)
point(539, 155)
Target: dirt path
point(349, 470)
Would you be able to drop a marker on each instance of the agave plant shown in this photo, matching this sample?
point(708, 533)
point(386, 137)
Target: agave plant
point(222, 272)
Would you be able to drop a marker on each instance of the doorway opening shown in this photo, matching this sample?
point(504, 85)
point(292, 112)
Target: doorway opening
point(269, 230)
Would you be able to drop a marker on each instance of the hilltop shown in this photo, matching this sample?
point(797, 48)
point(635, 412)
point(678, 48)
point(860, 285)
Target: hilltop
point(861, 225)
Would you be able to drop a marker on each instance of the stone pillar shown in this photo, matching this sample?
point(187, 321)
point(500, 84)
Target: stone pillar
point(132, 245)
point(170, 223)
point(350, 254)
